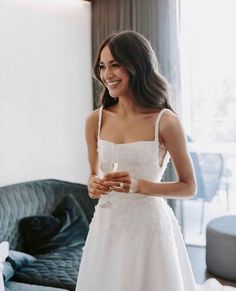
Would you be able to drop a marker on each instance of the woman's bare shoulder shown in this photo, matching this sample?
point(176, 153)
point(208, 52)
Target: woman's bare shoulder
point(92, 117)
point(171, 129)
point(91, 124)
point(169, 119)
point(170, 125)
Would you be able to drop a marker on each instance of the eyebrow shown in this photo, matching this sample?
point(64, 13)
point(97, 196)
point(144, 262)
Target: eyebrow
point(112, 61)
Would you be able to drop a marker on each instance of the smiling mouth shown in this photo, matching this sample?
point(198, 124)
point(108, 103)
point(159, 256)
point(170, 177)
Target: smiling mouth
point(112, 84)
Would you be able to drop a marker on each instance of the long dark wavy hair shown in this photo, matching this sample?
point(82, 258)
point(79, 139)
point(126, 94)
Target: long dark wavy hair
point(132, 50)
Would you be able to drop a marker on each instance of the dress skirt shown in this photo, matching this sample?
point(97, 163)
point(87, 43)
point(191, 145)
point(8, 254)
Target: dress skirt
point(134, 245)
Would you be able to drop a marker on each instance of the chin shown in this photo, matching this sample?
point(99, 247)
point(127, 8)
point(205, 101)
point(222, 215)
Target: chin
point(113, 94)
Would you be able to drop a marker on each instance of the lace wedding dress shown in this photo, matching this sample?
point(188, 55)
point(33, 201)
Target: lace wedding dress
point(136, 244)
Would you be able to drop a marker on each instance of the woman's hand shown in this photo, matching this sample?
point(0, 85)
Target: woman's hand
point(97, 187)
point(121, 182)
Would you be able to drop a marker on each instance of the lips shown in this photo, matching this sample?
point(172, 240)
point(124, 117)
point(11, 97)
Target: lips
point(112, 84)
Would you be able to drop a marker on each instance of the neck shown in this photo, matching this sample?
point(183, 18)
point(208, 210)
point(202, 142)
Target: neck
point(126, 107)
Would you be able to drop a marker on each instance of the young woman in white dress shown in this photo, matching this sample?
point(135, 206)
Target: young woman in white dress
point(134, 242)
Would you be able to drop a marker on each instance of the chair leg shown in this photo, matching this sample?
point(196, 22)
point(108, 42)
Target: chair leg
point(202, 215)
point(227, 195)
point(182, 217)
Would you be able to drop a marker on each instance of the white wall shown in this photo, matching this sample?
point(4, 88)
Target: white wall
point(45, 89)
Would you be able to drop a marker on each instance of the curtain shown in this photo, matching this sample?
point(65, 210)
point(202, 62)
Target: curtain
point(158, 20)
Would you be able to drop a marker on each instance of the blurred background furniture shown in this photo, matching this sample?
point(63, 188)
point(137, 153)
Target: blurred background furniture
point(221, 247)
point(208, 170)
point(211, 177)
point(48, 219)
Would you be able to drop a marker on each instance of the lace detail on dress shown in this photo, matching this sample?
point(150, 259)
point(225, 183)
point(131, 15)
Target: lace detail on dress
point(136, 213)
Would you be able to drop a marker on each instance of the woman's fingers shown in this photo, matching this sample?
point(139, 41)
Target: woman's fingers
point(116, 175)
point(118, 181)
point(123, 188)
point(97, 188)
point(98, 181)
point(96, 193)
point(119, 186)
point(121, 182)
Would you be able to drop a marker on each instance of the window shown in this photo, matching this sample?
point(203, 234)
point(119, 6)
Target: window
point(208, 56)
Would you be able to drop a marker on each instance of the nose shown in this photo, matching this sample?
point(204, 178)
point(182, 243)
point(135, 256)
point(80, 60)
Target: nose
point(108, 73)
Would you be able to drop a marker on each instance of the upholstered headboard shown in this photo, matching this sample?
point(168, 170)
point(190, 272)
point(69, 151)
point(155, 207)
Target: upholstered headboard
point(36, 197)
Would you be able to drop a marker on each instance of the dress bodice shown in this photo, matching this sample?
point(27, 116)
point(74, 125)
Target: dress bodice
point(140, 158)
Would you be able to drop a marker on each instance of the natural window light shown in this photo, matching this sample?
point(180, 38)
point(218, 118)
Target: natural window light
point(208, 47)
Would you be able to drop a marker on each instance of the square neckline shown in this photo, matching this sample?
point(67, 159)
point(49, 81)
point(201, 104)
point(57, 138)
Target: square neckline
point(156, 139)
point(128, 143)
point(166, 157)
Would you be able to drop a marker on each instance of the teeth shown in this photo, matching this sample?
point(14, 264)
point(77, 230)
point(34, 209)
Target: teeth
point(112, 83)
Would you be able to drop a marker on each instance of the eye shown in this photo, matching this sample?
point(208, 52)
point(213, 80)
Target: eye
point(115, 65)
point(101, 67)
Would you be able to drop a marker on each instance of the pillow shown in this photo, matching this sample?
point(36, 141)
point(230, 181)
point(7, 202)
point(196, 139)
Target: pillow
point(66, 227)
point(7, 271)
point(4, 250)
point(14, 261)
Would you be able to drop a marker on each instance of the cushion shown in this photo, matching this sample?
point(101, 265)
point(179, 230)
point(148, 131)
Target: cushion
point(4, 249)
point(56, 269)
point(19, 259)
point(221, 247)
point(7, 272)
point(14, 286)
point(66, 227)
point(14, 261)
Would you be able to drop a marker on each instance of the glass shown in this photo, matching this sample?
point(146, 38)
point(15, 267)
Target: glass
point(106, 168)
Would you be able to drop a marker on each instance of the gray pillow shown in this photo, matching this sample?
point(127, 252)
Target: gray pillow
point(66, 227)
point(15, 261)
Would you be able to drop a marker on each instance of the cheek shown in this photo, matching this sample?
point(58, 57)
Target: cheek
point(101, 76)
point(127, 79)
point(127, 76)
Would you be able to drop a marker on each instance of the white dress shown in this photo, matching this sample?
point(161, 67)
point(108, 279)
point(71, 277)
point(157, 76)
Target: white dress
point(136, 244)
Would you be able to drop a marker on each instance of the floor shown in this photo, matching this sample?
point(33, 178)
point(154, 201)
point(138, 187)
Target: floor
point(197, 259)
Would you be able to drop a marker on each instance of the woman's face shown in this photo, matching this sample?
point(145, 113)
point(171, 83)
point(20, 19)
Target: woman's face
point(113, 75)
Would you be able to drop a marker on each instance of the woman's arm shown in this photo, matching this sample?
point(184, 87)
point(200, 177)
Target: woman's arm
point(173, 137)
point(96, 186)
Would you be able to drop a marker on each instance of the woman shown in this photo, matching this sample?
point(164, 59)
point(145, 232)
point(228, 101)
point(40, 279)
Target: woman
point(134, 242)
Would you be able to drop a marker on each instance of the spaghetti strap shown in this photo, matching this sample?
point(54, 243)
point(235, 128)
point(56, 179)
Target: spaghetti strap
point(99, 121)
point(157, 125)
